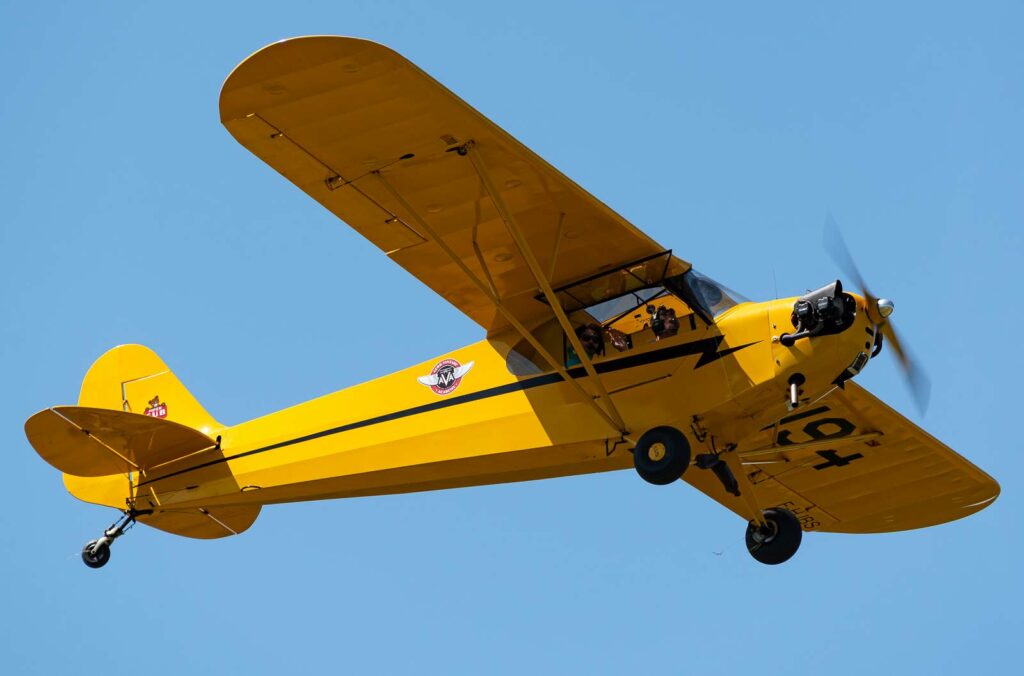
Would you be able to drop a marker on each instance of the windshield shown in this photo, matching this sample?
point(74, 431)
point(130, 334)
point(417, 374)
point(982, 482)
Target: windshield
point(710, 297)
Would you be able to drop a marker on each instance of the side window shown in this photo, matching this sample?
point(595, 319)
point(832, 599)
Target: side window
point(606, 330)
point(523, 360)
point(659, 317)
point(632, 307)
point(519, 365)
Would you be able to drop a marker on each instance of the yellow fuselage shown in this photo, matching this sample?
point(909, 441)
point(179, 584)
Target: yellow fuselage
point(395, 434)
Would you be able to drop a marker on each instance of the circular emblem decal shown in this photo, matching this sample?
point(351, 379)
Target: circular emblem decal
point(445, 376)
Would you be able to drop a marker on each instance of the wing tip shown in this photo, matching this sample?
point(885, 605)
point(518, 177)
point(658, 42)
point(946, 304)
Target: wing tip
point(284, 56)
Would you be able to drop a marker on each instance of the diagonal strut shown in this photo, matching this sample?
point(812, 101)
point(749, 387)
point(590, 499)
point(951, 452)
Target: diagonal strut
point(542, 281)
point(615, 423)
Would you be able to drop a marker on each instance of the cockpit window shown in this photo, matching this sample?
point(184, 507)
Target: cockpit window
point(623, 309)
point(616, 307)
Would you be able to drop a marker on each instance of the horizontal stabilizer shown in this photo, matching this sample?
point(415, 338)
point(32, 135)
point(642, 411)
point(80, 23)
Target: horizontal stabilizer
point(90, 442)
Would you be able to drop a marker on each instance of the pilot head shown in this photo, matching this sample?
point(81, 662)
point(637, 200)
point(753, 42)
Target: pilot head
point(590, 337)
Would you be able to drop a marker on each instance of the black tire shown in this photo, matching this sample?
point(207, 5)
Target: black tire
point(662, 455)
point(779, 542)
point(95, 556)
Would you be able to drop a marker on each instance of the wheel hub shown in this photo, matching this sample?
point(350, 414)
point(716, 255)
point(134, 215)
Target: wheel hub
point(656, 452)
point(765, 533)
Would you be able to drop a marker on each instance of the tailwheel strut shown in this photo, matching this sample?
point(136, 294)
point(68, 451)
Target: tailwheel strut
point(96, 552)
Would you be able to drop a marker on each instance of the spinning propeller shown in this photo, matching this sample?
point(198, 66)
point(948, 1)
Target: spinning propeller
point(879, 311)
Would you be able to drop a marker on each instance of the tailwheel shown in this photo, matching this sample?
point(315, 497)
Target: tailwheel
point(96, 553)
point(777, 540)
point(661, 455)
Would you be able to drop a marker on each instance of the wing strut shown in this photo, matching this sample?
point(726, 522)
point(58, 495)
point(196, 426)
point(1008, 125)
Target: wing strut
point(616, 422)
point(206, 512)
point(776, 449)
point(542, 281)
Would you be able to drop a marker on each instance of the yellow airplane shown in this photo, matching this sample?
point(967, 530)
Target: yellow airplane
point(603, 350)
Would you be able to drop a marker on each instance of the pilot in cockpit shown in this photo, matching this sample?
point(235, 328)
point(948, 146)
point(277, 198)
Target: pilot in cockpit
point(592, 337)
point(664, 323)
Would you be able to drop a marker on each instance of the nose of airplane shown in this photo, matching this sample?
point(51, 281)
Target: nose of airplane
point(877, 310)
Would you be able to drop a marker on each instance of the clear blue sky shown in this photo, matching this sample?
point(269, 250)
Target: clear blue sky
point(128, 214)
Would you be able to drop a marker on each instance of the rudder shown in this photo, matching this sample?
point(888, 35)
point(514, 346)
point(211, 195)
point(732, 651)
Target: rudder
point(133, 378)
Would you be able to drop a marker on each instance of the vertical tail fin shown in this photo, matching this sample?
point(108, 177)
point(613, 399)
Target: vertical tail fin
point(133, 378)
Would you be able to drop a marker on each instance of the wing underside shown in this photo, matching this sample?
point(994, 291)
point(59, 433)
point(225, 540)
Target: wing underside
point(851, 464)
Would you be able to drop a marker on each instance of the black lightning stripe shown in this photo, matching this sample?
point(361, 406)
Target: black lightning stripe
point(707, 348)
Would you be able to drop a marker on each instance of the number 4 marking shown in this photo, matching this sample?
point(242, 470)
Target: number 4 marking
point(836, 460)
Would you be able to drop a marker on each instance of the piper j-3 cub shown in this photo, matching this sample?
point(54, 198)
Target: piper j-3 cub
point(603, 350)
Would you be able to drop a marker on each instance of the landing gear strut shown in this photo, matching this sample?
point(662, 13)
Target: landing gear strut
point(96, 553)
point(777, 539)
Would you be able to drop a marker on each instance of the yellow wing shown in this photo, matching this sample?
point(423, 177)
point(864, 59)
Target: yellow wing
point(852, 464)
point(394, 154)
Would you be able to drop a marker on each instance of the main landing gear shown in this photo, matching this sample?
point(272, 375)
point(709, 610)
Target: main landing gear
point(777, 539)
point(96, 553)
point(662, 455)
